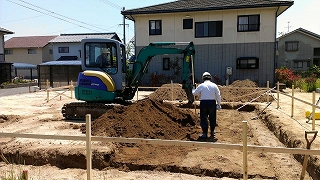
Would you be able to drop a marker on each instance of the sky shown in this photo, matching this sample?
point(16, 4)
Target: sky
point(55, 17)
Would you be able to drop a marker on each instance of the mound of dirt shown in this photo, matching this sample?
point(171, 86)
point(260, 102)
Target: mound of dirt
point(169, 92)
point(244, 83)
point(147, 119)
point(239, 91)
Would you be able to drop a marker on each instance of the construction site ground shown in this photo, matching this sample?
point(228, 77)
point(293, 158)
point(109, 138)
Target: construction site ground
point(153, 118)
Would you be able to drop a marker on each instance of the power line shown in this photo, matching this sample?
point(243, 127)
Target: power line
point(61, 15)
point(111, 4)
point(56, 15)
point(21, 19)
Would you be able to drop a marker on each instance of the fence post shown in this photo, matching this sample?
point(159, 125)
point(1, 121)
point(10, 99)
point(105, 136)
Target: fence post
point(245, 150)
point(171, 90)
point(278, 94)
point(88, 146)
point(137, 93)
point(268, 88)
point(313, 110)
point(72, 89)
point(292, 101)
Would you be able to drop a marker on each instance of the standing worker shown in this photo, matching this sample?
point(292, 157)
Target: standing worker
point(210, 100)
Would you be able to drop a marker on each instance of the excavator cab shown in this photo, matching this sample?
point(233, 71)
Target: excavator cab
point(103, 64)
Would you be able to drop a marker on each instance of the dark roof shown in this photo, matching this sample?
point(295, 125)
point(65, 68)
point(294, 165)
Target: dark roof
point(28, 42)
point(204, 5)
point(5, 31)
point(61, 63)
point(24, 66)
point(304, 31)
point(67, 58)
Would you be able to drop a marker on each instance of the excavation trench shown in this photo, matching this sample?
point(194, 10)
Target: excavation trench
point(155, 120)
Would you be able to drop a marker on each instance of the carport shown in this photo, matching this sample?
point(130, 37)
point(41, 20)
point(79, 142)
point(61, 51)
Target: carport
point(58, 73)
point(23, 66)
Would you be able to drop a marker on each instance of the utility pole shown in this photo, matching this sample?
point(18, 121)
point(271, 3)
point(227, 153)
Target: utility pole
point(288, 26)
point(124, 28)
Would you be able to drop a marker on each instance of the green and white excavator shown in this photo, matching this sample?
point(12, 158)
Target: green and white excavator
point(104, 83)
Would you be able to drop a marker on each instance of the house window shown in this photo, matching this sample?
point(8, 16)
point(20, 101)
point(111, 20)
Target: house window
point(155, 27)
point(166, 63)
point(298, 64)
point(208, 29)
point(8, 51)
point(292, 46)
point(50, 51)
point(32, 51)
point(187, 23)
point(63, 49)
point(248, 63)
point(316, 52)
point(316, 61)
point(248, 23)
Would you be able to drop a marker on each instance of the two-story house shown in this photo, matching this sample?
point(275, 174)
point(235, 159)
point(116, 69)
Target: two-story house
point(233, 39)
point(5, 67)
point(27, 52)
point(68, 46)
point(298, 50)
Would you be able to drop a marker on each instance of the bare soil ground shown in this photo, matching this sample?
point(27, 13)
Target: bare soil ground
point(153, 118)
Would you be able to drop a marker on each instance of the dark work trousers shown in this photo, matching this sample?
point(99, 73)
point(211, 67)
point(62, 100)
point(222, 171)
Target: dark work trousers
point(208, 109)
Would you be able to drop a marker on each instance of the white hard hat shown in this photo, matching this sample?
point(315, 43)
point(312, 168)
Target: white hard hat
point(206, 75)
point(105, 50)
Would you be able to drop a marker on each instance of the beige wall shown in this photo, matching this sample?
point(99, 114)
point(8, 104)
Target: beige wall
point(172, 30)
point(21, 55)
point(46, 56)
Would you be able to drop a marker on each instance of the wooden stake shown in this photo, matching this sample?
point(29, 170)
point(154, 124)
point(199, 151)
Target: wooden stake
point(313, 111)
point(278, 95)
point(268, 92)
point(292, 101)
point(245, 150)
point(88, 146)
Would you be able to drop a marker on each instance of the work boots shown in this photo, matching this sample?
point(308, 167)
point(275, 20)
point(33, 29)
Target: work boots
point(204, 134)
point(212, 132)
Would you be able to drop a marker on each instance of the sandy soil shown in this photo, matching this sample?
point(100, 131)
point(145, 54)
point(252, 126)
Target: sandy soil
point(149, 118)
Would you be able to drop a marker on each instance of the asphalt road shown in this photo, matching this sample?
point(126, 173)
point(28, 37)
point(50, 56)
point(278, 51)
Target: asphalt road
point(13, 91)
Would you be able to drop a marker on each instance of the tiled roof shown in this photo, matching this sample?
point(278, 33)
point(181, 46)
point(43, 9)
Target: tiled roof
point(28, 42)
point(312, 34)
point(5, 31)
point(205, 5)
point(78, 37)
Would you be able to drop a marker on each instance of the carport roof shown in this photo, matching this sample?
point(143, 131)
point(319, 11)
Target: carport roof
point(61, 63)
point(24, 66)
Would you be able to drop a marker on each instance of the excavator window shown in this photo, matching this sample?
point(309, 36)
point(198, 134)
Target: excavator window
point(102, 55)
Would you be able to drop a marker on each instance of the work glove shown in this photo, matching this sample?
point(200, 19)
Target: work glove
point(218, 107)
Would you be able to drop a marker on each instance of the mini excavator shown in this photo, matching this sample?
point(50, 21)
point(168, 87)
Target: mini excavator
point(106, 81)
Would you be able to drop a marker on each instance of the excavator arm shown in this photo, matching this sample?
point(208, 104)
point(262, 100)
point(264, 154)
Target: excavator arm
point(144, 58)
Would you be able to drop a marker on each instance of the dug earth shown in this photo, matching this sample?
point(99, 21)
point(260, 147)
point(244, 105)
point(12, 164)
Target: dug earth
point(160, 115)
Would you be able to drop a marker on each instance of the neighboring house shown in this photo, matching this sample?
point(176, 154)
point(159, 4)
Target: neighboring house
point(299, 50)
point(68, 46)
point(5, 67)
point(236, 35)
point(27, 52)
point(29, 49)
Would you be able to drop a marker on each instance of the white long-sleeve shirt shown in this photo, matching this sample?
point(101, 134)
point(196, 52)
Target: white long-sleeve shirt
point(208, 91)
